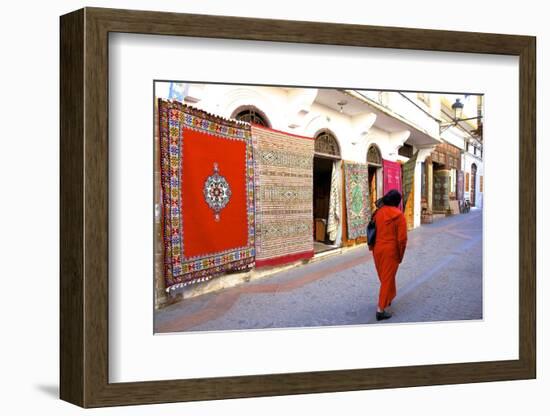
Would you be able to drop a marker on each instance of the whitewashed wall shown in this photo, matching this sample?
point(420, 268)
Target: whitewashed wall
point(296, 111)
point(454, 136)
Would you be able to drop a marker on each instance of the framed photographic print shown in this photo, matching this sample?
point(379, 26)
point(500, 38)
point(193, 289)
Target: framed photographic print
point(254, 207)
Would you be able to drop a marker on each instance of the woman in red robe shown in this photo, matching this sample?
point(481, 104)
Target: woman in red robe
point(389, 248)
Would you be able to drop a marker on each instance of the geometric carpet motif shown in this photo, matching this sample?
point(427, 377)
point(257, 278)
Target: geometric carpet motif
point(283, 190)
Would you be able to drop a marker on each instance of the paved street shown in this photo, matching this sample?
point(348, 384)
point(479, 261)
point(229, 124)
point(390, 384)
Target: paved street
point(440, 279)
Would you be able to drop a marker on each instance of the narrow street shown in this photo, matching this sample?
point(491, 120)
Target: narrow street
point(440, 279)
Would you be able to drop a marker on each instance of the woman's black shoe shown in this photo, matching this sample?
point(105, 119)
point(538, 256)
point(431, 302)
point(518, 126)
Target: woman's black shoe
point(382, 315)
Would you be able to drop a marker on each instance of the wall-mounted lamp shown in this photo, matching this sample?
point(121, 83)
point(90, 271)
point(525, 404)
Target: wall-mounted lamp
point(458, 108)
point(342, 104)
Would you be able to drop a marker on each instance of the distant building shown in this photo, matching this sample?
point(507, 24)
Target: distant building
point(467, 136)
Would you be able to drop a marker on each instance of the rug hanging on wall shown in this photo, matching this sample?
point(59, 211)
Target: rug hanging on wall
point(334, 203)
point(207, 194)
point(357, 199)
point(283, 189)
point(392, 178)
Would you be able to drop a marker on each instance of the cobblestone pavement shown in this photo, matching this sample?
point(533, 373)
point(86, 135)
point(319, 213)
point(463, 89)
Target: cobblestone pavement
point(440, 279)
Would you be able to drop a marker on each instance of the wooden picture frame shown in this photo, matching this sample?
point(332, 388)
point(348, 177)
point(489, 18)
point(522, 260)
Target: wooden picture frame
point(84, 207)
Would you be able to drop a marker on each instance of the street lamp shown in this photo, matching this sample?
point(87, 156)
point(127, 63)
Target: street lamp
point(457, 107)
point(342, 104)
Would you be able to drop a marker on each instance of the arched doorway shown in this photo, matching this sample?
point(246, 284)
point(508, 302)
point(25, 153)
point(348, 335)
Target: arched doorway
point(473, 186)
point(326, 191)
point(374, 162)
point(251, 114)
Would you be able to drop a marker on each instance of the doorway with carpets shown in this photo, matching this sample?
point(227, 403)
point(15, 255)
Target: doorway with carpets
point(327, 192)
point(374, 162)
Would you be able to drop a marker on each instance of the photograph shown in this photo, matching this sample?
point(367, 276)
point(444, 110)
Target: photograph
point(309, 217)
point(299, 207)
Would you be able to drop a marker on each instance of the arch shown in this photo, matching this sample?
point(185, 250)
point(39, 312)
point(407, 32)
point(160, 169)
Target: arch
point(251, 114)
point(327, 145)
point(374, 155)
point(375, 177)
point(327, 190)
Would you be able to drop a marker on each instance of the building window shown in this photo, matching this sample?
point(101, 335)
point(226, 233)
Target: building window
point(373, 156)
point(251, 115)
point(423, 97)
point(406, 150)
point(326, 144)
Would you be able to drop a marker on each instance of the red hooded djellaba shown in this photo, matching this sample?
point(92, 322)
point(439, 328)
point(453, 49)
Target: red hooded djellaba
point(389, 248)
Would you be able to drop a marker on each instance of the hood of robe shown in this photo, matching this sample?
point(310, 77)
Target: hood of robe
point(388, 214)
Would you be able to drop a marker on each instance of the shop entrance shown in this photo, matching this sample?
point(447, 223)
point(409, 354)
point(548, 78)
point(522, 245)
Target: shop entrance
point(322, 174)
point(373, 188)
point(374, 162)
point(326, 193)
point(473, 186)
point(440, 188)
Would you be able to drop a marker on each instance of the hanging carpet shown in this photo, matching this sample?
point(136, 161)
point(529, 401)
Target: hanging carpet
point(392, 178)
point(357, 199)
point(207, 194)
point(283, 189)
point(334, 203)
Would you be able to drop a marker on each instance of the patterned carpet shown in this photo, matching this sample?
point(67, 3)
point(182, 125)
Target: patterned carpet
point(207, 194)
point(283, 188)
point(357, 199)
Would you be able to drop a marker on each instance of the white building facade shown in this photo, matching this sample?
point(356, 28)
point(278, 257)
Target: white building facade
point(468, 137)
point(391, 125)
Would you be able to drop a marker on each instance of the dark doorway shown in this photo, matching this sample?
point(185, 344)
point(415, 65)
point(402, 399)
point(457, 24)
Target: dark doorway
point(373, 187)
point(322, 175)
point(374, 161)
